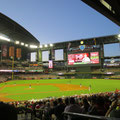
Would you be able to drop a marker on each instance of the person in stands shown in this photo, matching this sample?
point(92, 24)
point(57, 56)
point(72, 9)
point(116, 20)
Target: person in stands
point(7, 112)
point(73, 107)
point(59, 109)
point(114, 109)
point(97, 108)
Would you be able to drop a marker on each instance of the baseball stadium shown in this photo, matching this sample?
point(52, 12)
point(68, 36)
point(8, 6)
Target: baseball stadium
point(31, 73)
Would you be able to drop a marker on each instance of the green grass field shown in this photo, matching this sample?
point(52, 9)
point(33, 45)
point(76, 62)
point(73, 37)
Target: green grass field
point(46, 89)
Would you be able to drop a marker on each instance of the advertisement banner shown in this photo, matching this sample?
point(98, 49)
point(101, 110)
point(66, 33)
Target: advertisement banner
point(50, 64)
point(11, 51)
point(4, 51)
point(94, 56)
point(18, 53)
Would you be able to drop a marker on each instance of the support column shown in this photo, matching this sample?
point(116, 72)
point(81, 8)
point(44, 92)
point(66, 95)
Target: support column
point(102, 55)
point(65, 54)
point(39, 55)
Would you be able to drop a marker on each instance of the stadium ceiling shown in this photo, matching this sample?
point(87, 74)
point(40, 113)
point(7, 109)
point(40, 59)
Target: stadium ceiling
point(16, 32)
point(109, 8)
point(87, 41)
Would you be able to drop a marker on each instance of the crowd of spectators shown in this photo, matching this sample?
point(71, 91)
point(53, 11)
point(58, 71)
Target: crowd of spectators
point(101, 104)
point(3, 78)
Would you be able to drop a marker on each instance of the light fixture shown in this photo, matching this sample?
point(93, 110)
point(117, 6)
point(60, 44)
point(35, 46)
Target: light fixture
point(51, 45)
point(41, 46)
point(17, 42)
point(22, 43)
point(81, 42)
point(4, 38)
point(118, 35)
point(33, 46)
point(26, 45)
point(46, 45)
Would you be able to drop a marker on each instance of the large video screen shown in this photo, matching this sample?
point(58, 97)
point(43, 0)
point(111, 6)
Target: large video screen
point(33, 57)
point(59, 54)
point(45, 55)
point(83, 58)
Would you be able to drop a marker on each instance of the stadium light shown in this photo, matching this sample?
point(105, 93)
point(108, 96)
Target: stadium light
point(33, 46)
point(46, 45)
point(41, 46)
point(81, 42)
point(26, 45)
point(22, 43)
point(17, 42)
point(51, 45)
point(118, 35)
point(4, 38)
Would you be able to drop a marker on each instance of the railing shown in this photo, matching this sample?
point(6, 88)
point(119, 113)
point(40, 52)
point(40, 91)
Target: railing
point(74, 116)
point(88, 117)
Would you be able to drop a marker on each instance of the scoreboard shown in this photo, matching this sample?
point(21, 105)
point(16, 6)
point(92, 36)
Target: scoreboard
point(83, 58)
point(89, 56)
